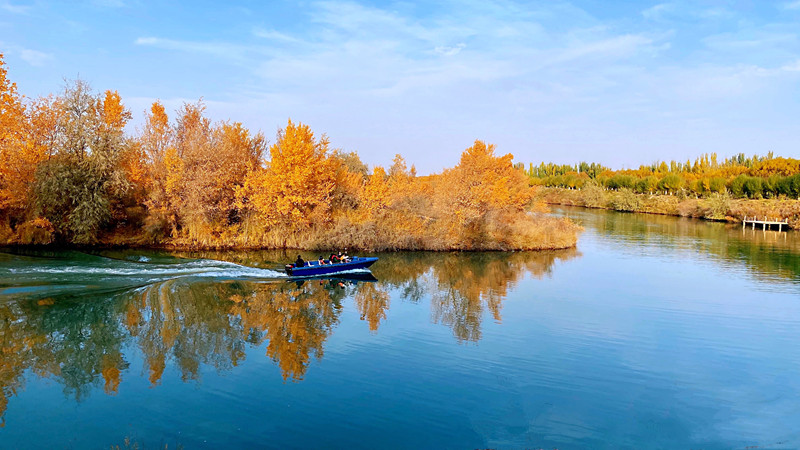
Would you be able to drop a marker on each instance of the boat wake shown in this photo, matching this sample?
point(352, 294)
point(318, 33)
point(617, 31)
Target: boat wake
point(199, 268)
point(34, 276)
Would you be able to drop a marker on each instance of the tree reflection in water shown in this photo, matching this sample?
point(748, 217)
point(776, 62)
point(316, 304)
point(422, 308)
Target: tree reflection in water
point(79, 339)
point(461, 286)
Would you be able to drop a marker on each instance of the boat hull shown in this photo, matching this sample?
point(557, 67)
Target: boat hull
point(314, 268)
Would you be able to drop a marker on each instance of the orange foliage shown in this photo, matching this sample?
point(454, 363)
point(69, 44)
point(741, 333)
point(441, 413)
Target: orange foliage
point(12, 141)
point(114, 114)
point(776, 166)
point(480, 189)
point(372, 304)
point(110, 365)
point(27, 137)
point(159, 165)
point(376, 192)
point(483, 181)
point(294, 191)
point(132, 161)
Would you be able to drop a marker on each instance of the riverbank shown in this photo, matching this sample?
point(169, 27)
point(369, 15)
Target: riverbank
point(719, 207)
point(522, 231)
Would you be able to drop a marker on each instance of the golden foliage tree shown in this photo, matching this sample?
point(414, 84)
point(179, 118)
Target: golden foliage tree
point(159, 160)
point(24, 133)
point(293, 192)
point(194, 170)
point(483, 191)
point(376, 192)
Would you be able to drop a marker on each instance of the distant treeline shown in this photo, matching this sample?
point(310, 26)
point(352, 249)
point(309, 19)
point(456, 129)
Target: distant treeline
point(69, 173)
point(740, 176)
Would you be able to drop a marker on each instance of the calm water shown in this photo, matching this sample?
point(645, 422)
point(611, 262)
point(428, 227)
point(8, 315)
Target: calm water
point(655, 333)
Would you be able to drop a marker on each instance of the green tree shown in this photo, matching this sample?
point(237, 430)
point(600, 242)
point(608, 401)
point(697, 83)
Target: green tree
point(77, 188)
point(671, 183)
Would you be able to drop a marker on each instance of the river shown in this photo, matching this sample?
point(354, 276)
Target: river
point(656, 332)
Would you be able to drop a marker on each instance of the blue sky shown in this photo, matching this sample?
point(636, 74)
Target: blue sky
point(622, 83)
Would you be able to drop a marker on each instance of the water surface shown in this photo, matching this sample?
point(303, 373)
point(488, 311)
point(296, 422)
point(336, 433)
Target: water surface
point(655, 332)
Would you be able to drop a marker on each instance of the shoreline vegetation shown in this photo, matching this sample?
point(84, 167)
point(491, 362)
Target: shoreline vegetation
point(71, 175)
point(727, 190)
point(720, 207)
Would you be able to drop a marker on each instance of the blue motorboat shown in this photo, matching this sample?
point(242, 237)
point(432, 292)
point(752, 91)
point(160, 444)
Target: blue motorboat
point(314, 268)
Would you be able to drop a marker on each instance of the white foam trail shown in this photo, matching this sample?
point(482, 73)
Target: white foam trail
point(200, 268)
point(362, 270)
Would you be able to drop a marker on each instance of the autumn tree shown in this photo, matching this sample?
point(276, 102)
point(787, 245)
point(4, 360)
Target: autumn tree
point(26, 131)
point(293, 192)
point(236, 151)
point(194, 171)
point(375, 197)
point(481, 189)
point(351, 174)
point(156, 155)
point(188, 167)
point(77, 188)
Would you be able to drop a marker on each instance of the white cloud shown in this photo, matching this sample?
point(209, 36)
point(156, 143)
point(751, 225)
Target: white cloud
point(742, 42)
point(34, 57)
point(450, 51)
point(110, 3)
point(792, 67)
point(15, 9)
point(273, 35)
point(658, 11)
point(682, 10)
point(219, 49)
point(608, 49)
point(792, 5)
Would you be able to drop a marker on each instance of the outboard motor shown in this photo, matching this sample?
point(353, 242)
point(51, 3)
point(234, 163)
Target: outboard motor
point(288, 268)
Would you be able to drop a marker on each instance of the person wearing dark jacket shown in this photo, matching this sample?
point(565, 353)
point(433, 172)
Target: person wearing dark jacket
point(299, 262)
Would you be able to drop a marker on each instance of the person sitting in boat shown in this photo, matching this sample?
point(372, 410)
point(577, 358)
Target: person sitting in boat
point(299, 262)
point(334, 258)
point(321, 261)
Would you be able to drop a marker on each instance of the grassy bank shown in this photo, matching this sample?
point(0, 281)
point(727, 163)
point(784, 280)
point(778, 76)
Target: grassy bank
point(531, 232)
point(719, 207)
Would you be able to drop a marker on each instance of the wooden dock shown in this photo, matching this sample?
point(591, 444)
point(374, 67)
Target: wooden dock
point(765, 222)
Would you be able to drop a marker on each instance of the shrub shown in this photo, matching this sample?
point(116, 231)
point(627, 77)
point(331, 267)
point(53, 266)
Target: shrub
point(625, 200)
point(38, 231)
point(647, 185)
point(593, 196)
point(719, 205)
point(736, 186)
point(671, 183)
point(716, 184)
point(753, 187)
point(621, 182)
